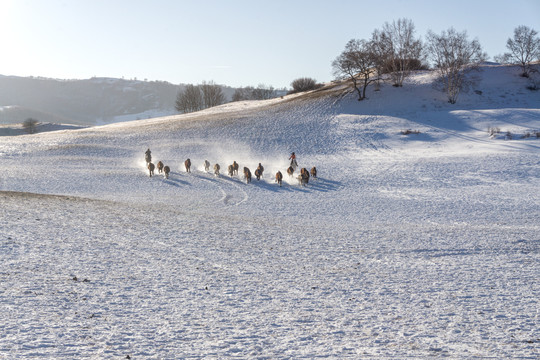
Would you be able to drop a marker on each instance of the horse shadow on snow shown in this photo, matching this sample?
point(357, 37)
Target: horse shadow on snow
point(174, 180)
point(314, 185)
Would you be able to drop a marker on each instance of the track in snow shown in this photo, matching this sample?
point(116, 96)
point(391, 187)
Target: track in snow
point(232, 193)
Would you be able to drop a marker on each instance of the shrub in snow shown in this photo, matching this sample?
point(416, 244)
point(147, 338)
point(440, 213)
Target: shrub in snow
point(533, 86)
point(409, 131)
point(492, 131)
point(304, 84)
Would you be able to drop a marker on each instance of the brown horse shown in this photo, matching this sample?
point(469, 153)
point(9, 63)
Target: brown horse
point(151, 169)
point(258, 174)
point(290, 171)
point(216, 169)
point(159, 167)
point(235, 167)
point(260, 168)
point(206, 165)
point(166, 170)
point(314, 172)
point(230, 170)
point(304, 176)
point(279, 177)
point(247, 175)
point(187, 164)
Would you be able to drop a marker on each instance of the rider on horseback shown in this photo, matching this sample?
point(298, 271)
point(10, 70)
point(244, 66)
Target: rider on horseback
point(294, 164)
point(148, 156)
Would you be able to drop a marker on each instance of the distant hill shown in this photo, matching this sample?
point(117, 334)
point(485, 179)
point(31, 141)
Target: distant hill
point(19, 129)
point(93, 101)
point(89, 102)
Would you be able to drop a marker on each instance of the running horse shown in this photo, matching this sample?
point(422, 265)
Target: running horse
point(258, 174)
point(261, 169)
point(279, 178)
point(304, 176)
point(159, 167)
point(151, 169)
point(247, 175)
point(290, 171)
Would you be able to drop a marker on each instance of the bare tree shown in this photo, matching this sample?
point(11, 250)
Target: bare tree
point(357, 63)
point(263, 92)
point(454, 56)
point(524, 48)
point(189, 100)
point(503, 58)
point(243, 93)
point(29, 125)
point(212, 94)
point(397, 49)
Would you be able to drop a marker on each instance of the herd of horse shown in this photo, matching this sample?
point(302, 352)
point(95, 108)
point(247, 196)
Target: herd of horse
point(161, 169)
point(233, 168)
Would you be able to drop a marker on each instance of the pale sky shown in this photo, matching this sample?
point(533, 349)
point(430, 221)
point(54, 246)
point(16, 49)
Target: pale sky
point(231, 42)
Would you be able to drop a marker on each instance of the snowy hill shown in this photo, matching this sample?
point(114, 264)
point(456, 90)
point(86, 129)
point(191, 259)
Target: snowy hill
point(422, 245)
point(86, 102)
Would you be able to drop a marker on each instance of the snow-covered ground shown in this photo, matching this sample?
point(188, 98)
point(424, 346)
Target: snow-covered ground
point(407, 246)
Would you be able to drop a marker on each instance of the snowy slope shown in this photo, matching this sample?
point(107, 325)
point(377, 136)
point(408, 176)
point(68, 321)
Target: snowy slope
point(407, 246)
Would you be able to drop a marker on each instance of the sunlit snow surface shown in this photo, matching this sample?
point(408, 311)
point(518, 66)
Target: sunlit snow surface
point(406, 246)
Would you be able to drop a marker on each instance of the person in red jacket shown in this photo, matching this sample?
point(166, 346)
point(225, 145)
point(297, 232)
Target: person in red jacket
point(294, 164)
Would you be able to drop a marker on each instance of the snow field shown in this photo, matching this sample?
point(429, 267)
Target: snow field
point(405, 247)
